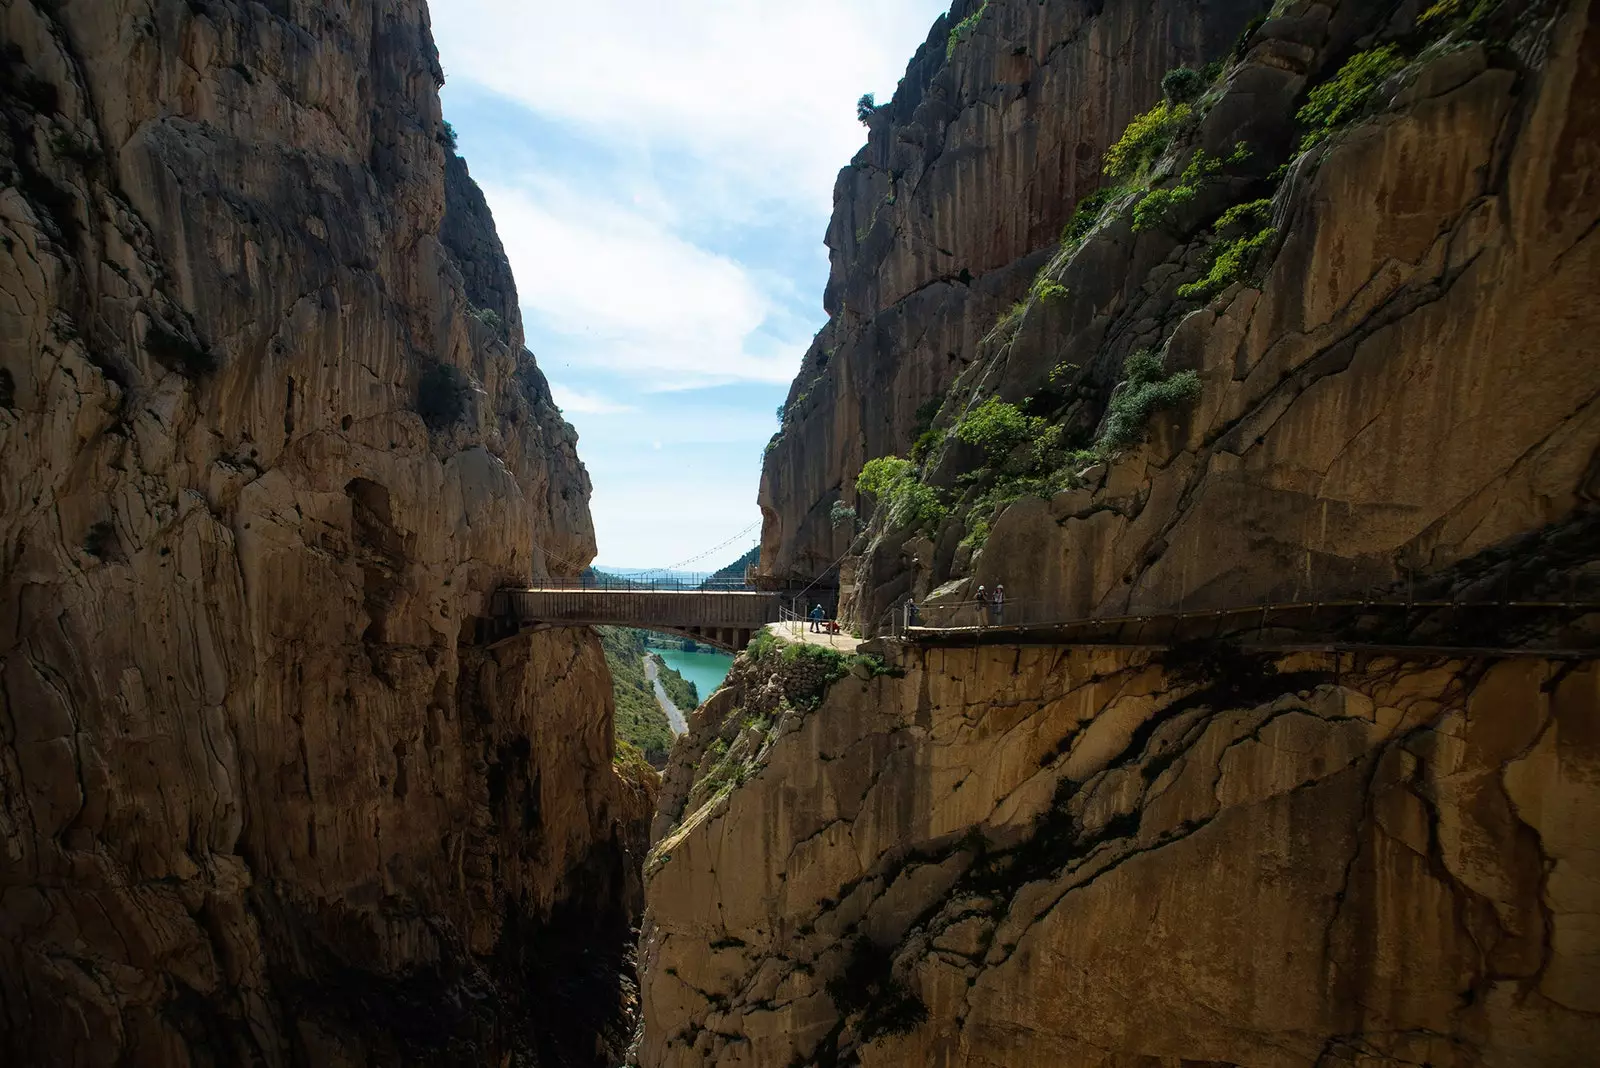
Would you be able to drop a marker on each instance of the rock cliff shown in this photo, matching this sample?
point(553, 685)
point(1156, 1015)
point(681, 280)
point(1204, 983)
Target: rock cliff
point(1376, 322)
point(268, 438)
point(1018, 856)
point(1319, 326)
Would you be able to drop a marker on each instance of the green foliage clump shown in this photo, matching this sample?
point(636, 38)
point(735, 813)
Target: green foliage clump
point(841, 515)
point(1343, 97)
point(1047, 289)
point(1087, 215)
point(895, 485)
point(490, 318)
point(1230, 257)
point(963, 29)
point(442, 396)
point(1146, 390)
point(866, 107)
point(640, 725)
point(1158, 205)
point(449, 137)
point(1182, 84)
point(1146, 137)
point(997, 428)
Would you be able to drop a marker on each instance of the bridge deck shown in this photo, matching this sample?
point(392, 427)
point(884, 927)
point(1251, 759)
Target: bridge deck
point(719, 617)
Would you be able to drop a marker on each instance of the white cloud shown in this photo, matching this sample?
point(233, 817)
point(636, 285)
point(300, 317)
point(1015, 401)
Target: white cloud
point(576, 400)
point(635, 297)
point(759, 93)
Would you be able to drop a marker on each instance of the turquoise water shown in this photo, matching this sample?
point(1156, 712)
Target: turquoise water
point(705, 668)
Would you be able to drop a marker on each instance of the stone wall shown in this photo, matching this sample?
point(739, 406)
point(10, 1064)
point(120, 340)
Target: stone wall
point(268, 438)
point(1017, 856)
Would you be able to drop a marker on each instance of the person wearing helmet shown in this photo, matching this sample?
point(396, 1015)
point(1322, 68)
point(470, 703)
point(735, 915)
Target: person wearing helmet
point(999, 603)
point(983, 606)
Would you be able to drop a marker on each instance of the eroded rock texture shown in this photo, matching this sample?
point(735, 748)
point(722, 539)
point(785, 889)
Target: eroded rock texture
point(1019, 856)
point(268, 437)
point(1405, 380)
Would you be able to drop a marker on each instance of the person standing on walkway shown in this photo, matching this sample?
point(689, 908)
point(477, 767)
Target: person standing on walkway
point(983, 606)
point(816, 618)
point(999, 604)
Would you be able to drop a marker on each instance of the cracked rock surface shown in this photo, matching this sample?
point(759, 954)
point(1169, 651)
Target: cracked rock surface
point(1406, 380)
point(1064, 856)
point(268, 439)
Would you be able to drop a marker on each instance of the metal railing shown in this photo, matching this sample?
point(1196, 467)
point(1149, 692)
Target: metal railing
point(1378, 619)
point(705, 582)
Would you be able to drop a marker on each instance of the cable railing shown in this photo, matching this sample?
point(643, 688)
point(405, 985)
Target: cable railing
point(1392, 619)
point(679, 582)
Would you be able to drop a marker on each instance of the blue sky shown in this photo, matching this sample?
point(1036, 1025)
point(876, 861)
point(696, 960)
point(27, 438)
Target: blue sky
point(662, 175)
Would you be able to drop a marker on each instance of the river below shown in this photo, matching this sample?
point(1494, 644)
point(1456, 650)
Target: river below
point(704, 667)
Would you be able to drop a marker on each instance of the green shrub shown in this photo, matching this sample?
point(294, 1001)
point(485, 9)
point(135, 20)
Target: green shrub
point(488, 317)
point(1182, 84)
point(996, 427)
point(1047, 289)
point(866, 107)
point(1156, 208)
point(1146, 390)
point(841, 515)
point(442, 396)
point(1344, 96)
point(907, 500)
point(1230, 258)
point(449, 140)
point(963, 29)
point(1146, 137)
point(1087, 215)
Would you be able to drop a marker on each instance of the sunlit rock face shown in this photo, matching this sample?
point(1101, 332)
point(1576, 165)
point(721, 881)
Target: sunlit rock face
point(268, 438)
point(1043, 856)
point(1038, 855)
point(1402, 380)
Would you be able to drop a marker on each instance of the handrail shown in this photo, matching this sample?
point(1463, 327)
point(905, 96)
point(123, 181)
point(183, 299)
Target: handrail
point(923, 620)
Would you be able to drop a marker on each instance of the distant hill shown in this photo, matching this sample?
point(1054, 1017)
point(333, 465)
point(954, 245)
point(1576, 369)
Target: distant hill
point(734, 572)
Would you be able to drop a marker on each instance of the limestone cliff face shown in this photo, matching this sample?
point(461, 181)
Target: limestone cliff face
point(939, 222)
point(1044, 856)
point(268, 438)
point(1401, 380)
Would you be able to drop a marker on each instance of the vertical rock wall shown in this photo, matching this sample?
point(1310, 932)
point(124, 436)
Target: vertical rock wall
point(1020, 856)
point(942, 218)
point(268, 438)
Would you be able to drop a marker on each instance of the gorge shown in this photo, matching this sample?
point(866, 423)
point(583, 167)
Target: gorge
point(1138, 307)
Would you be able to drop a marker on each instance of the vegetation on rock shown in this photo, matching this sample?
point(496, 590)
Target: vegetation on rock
point(905, 499)
point(1147, 389)
point(641, 727)
point(1344, 96)
point(963, 29)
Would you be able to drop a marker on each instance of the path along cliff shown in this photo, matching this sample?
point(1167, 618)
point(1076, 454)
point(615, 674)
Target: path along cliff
point(1308, 319)
point(268, 437)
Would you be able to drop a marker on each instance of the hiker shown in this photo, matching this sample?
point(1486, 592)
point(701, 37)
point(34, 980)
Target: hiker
point(983, 606)
point(999, 604)
point(913, 614)
point(816, 618)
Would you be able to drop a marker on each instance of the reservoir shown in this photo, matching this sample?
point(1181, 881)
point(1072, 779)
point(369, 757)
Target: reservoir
point(706, 668)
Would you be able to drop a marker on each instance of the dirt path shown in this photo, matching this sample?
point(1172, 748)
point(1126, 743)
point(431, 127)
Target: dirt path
point(802, 632)
point(674, 716)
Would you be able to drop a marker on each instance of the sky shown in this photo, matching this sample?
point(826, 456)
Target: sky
point(661, 175)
